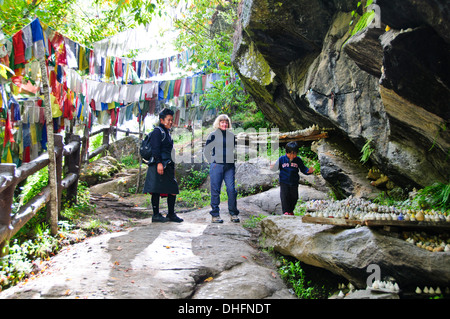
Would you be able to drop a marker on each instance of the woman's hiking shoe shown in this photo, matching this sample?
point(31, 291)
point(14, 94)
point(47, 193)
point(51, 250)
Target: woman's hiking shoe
point(234, 218)
point(289, 214)
point(217, 220)
point(158, 218)
point(174, 218)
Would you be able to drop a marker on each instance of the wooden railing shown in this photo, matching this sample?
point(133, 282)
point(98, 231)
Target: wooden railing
point(11, 176)
point(105, 143)
point(107, 132)
point(75, 152)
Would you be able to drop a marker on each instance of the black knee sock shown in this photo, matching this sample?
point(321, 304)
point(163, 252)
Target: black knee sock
point(171, 203)
point(155, 203)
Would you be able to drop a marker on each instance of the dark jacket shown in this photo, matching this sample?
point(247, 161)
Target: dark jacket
point(289, 170)
point(162, 145)
point(220, 147)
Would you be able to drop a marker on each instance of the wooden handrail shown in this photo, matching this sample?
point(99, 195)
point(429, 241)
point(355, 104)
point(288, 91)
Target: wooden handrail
point(75, 152)
point(11, 176)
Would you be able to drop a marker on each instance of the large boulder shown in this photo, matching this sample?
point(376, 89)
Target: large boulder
point(235, 272)
point(346, 175)
point(106, 167)
point(270, 203)
point(255, 176)
point(252, 177)
point(127, 146)
point(349, 252)
point(124, 182)
point(100, 170)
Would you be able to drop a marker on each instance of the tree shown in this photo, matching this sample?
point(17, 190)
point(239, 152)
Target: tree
point(207, 27)
point(15, 14)
point(83, 21)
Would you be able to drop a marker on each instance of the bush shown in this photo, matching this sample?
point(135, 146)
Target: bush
point(32, 186)
point(34, 243)
point(293, 273)
point(310, 159)
point(250, 116)
point(129, 161)
point(22, 253)
point(194, 180)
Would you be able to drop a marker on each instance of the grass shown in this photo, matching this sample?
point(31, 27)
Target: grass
point(193, 198)
point(366, 151)
point(198, 198)
point(253, 221)
point(129, 161)
point(432, 197)
point(300, 208)
point(95, 142)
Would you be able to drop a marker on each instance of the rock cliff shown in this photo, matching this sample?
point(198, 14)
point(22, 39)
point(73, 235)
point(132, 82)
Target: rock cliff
point(387, 85)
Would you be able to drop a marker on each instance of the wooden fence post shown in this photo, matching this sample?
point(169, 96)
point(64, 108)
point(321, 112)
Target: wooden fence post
point(52, 179)
point(6, 200)
point(105, 141)
point(73, 163)
point(59, 147)
point(140, 158)
point(85, 145)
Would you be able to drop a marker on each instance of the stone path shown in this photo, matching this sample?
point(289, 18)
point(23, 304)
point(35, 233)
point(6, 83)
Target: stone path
point(191, 260)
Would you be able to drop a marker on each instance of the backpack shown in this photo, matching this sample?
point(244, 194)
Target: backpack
point(146, 149)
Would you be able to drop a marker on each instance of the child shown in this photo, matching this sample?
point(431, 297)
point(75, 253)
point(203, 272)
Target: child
point(289, 165)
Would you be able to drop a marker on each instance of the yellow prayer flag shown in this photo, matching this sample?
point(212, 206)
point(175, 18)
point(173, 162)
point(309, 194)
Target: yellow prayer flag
point(56, 111)
point(108, 68)
point(9, 156)
point(33, 134)
point(3, 69)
